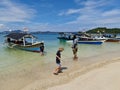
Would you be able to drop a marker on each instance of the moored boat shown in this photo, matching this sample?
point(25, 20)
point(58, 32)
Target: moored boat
point(91, 42)
point(66, 36)
point(113, 40)
point(23, 41)
point(87, 40)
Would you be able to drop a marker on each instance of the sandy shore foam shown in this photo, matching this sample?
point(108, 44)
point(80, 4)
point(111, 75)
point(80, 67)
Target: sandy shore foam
point(104, 78)
point(100, 76)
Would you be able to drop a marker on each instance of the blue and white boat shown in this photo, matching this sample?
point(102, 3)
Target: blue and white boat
point(87, 40)
point(23, 41)
point(91, 42)
point(83, 38)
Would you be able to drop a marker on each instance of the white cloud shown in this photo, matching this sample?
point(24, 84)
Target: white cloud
point(91, 3)
point(69, 12)
point(93, 13)
point(79, 2)
point(95, 4)
point(14, 12)
point(88, 7)
point(2, 26)
point(112, 13)
point(90, 13)
point(47, 27)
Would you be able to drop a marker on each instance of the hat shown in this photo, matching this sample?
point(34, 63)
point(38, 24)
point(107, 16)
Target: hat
point(61, 48)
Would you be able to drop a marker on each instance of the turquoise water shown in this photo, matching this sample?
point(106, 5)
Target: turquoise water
point(12, 58)
point(20, 68)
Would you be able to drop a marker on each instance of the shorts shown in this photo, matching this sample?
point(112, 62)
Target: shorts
point(42, 50)
point(58, 64)
point(75, 50)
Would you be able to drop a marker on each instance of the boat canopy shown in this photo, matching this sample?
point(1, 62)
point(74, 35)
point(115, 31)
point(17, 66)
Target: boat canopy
point(18, 36)
point(83, 34)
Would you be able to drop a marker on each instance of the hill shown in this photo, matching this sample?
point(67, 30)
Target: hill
point(105, 30)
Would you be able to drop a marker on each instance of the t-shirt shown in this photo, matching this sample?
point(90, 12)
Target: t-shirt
point(75, 41)
point(59, 55)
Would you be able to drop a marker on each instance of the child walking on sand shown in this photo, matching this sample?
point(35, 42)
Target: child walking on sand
point(58, 61)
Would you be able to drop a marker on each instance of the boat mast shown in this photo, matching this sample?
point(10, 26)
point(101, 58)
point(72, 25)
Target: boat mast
point(32, 40)
point(23, 41)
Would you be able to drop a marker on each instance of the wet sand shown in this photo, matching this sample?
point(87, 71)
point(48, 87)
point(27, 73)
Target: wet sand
point(104, 78)
point(100, 67)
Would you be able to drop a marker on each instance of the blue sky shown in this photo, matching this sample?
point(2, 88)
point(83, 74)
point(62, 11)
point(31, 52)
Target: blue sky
point(59, 15)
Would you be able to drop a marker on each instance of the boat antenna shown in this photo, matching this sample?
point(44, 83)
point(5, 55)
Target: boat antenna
point(10, 30)
point(25, 29)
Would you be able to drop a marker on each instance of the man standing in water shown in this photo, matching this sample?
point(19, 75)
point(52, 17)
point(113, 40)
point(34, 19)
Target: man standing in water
point(42, 48)
point(75, 47)
point(58, 61)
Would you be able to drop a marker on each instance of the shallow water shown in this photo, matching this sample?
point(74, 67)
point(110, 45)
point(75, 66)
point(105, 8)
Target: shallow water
point(13, 57)
point(26, 67)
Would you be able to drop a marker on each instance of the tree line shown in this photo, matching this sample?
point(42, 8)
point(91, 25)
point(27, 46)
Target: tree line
point(104, 30)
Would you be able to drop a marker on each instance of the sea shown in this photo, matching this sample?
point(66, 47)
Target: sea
point(20, 68)
point(10, 57)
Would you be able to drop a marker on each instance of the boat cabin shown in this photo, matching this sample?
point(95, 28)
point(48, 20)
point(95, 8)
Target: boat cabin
point(20, 38)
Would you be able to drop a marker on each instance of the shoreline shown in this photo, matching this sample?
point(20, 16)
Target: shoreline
point(68, 75)
point(105, 77)
point(37, 78)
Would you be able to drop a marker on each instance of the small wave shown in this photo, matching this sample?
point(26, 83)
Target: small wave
point(92, 67)
point(2, 44)
point(68, 76)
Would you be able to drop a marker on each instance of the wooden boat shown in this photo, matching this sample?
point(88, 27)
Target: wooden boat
point(113, 40)
point(23, 41)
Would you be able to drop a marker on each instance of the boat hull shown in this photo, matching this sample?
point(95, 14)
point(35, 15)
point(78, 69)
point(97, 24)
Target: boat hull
point(91, 42)
point(113, 40)
point(87, 42)
point(64, 38)
point(32, 47)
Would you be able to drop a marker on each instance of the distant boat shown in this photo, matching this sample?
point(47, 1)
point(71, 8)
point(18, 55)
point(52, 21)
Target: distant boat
point(83, 38)
point(23, 41)
point(97, 42)
point(100, 37)
point(87, 40)
point(65, 36)
point(113, 40)
point(70, 36)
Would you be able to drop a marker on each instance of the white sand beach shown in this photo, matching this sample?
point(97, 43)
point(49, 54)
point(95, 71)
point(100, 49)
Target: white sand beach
point(104, 78)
